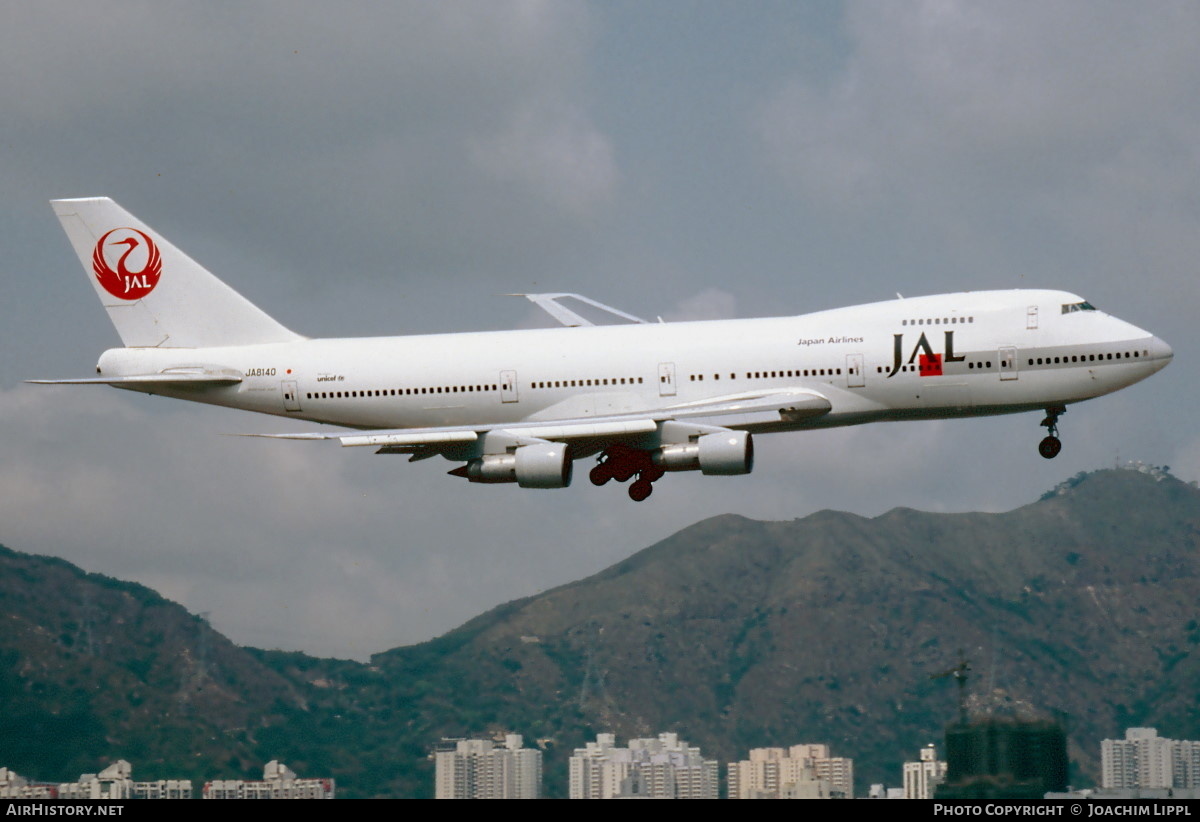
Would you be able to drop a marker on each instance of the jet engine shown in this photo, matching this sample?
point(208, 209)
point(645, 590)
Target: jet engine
point(541, 465)
point(725, 453)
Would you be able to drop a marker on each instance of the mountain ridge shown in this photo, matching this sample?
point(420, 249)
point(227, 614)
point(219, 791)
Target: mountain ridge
point(734, 632)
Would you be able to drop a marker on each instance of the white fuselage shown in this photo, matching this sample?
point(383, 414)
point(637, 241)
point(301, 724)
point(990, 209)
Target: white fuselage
point(948, 355)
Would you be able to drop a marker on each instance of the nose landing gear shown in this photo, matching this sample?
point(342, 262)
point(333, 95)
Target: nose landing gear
point(1051, 445)
point(622, 464)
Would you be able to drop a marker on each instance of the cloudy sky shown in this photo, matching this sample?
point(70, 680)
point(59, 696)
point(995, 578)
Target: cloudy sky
point(375, 171)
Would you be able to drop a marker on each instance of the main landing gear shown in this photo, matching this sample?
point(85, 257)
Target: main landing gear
point(1051, 445)
point(622, 463)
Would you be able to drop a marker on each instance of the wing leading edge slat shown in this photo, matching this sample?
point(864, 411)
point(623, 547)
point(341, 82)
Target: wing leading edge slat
point(795, 404)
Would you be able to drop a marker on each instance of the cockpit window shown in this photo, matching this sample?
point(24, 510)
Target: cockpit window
point(1084, 306)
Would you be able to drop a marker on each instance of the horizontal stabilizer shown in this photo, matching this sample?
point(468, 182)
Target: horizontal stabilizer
point(149, 379)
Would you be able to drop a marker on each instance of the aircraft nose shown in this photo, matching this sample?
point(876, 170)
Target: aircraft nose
point(1160, 352)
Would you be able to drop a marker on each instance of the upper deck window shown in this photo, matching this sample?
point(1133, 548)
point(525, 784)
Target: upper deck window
point(1083, 306)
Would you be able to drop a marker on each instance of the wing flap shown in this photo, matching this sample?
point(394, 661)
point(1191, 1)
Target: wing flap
point(410, 439)
point(807, 403)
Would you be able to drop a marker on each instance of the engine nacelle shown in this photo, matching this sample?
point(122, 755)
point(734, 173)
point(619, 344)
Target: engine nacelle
point(542, 465)
point(727, 453)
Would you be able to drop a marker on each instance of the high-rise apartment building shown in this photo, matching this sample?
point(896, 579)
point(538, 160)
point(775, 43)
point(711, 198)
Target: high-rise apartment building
point(799, 772)
point(922, 776)
point(661, 768)
point(15, 786)
point(278, 782)
point(116, 783)
point(478, 769)
point(1143, 759)
point(1186, 763)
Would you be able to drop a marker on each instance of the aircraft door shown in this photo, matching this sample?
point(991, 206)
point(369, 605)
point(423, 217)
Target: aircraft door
point(1031, 318)
point(291, 395)
point(666, 379)
point(856, 377)
point(508, 386)
point(1008, 363)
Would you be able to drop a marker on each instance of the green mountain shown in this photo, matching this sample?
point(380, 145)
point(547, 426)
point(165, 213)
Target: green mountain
point(733, 632)
point(93, 669)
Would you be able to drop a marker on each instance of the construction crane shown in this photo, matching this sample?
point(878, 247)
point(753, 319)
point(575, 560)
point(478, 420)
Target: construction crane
point(960, 673)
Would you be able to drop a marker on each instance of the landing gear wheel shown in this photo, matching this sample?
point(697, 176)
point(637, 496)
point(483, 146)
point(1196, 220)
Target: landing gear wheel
point(624, 473)
point(1049, 447)
point(640, 490)
point(600, 474)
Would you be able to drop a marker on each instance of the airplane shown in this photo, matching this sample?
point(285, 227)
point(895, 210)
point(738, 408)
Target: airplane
point(639, 398)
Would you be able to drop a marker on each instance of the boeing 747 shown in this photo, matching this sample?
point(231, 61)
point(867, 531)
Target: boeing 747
point(638, 398)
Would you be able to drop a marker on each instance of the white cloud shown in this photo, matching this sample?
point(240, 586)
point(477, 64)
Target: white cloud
point(950, 92)
point(1009, 144)
point(464, 129)
point(554, 153)
point(1054, 140)
point(301, 545)
point(709, 304)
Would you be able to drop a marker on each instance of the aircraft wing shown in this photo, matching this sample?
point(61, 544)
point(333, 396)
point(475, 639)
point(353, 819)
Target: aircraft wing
point(794, 405)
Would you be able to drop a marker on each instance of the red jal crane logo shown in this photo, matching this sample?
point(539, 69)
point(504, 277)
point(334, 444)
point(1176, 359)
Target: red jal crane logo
point(122, 281)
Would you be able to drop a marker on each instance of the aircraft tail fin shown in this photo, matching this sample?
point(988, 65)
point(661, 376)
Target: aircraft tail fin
point(156, 295)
